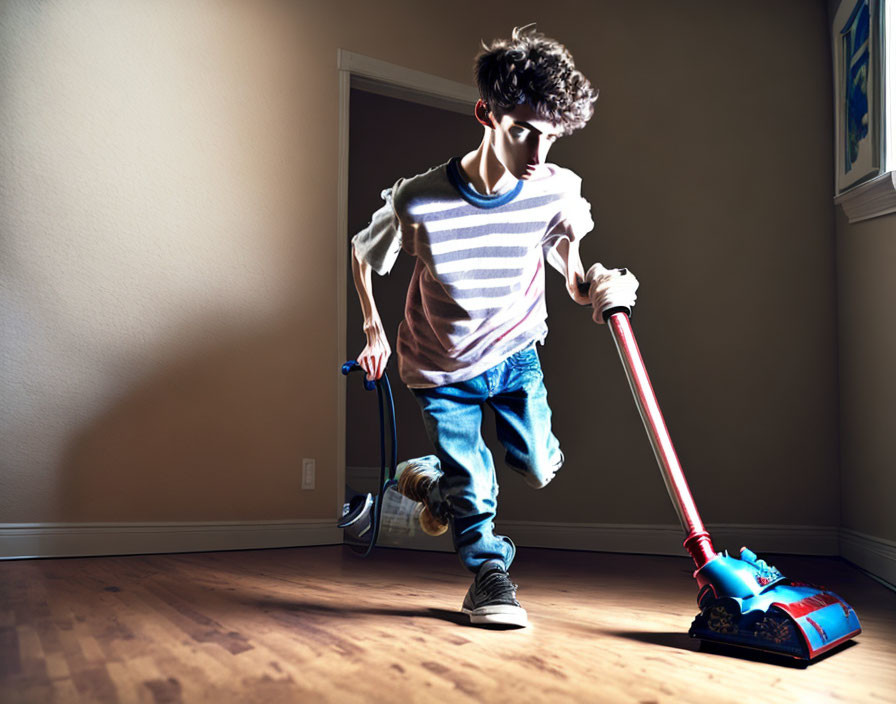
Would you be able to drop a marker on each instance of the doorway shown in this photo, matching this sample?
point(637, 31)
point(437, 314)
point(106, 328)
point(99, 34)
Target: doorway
point(389, 138)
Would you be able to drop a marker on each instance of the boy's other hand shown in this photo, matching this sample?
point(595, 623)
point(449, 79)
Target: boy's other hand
point(375, 355)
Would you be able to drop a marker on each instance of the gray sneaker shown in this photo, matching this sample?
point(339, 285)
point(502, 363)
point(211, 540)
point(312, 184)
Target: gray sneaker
point(491, 599)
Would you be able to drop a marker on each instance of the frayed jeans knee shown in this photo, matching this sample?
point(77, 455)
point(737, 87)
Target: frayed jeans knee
point(467, 491)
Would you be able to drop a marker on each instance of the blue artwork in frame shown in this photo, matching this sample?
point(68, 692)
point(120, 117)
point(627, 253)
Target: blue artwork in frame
point(856, 35)
point(857, 61)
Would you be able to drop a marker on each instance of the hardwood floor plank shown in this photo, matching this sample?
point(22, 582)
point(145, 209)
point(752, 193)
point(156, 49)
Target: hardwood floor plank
point(10, 656)
point(62, 691)
point(32, 661)
point(144, 672)
point(126, 686)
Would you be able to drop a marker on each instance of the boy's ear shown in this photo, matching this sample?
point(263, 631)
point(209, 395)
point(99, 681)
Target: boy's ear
point(482, 114)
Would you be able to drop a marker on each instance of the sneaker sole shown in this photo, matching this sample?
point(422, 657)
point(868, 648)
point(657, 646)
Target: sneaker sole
point(500, 615)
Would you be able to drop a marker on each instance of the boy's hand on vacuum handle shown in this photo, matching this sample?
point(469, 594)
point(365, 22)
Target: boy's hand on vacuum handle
point(610, 288)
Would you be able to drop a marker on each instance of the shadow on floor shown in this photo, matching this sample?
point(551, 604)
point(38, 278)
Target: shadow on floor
point(770, 658)
point(682, 641)
point(310, 608)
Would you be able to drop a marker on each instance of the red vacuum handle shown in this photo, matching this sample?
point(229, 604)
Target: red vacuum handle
point(697, 542)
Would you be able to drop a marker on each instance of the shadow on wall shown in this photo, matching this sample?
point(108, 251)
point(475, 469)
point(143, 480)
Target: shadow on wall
point(216, 434)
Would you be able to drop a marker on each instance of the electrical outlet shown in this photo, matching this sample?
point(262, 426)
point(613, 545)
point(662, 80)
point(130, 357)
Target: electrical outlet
point(308, 470)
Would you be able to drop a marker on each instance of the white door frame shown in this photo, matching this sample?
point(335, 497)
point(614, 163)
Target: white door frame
point(374, 76)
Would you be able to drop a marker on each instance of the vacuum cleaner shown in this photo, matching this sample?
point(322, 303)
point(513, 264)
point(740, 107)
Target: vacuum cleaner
point(743, 601)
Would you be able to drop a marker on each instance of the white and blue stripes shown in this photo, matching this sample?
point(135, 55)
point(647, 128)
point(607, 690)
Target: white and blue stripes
point(477, 292)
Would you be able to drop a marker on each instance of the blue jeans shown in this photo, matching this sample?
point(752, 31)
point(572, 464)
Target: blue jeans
point(466, 494)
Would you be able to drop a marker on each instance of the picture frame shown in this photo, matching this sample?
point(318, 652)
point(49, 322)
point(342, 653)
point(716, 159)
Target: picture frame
point(857, 38)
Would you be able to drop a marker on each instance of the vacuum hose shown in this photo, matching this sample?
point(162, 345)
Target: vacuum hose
point(387, 470)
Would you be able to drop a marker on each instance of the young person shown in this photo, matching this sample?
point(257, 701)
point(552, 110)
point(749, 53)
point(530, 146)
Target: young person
point(481, 228)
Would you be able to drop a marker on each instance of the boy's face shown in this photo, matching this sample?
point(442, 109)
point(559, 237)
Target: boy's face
point(521, 140)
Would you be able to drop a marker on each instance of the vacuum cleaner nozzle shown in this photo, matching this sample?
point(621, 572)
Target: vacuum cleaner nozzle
point(747, 602)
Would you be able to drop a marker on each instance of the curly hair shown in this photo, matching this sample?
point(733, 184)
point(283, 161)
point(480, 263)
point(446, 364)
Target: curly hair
point(531, 68)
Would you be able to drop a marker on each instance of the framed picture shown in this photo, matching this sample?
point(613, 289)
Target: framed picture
point(857, 35)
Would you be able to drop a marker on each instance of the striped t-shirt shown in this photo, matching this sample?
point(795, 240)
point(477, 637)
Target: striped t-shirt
point(477, 292)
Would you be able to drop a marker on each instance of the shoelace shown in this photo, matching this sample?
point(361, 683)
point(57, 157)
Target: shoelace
point(497, 585)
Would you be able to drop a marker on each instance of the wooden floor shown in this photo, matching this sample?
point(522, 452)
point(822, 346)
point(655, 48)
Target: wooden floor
point(320, 625)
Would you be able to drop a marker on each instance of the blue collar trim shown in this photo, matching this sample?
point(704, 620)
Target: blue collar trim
point(474, 197)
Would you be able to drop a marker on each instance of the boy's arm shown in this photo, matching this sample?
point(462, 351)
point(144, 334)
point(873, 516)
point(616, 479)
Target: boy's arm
point(374, 356)
point(603, 289)
point(564, 257)
point(568, 228)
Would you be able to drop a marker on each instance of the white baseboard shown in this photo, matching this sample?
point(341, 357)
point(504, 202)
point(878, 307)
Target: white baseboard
point(667, 539)
point(874, 555)
point(600, 537)
point(24, 540)
point(786, 539)
point(31, 540)
point(645, 539)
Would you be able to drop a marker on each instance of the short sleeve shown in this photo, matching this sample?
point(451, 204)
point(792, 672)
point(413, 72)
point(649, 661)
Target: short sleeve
point(379, 243)
point(573, 218)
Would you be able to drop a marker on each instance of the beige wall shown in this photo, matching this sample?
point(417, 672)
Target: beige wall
point(866, 252)
point(167, 287)
point(168, 266)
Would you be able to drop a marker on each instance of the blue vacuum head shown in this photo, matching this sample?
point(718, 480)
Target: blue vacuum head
point(748, 603)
